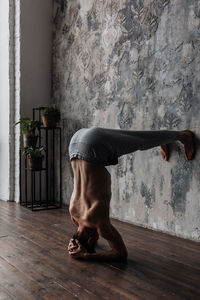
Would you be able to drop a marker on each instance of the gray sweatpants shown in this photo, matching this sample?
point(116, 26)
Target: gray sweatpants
point(104, 146)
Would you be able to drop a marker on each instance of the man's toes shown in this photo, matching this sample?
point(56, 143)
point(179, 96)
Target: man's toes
point(164, 152)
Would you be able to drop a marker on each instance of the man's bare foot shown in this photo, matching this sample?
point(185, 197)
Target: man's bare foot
point(164, 151)
point(187, 139)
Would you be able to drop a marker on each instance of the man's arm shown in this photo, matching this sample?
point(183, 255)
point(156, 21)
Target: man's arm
point(118, 250)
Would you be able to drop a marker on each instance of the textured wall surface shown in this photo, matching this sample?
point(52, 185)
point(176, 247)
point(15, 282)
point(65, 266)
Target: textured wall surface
point(134, 65)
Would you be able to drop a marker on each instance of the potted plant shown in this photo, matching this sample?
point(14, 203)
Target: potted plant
point(50, 116)
point(28, 128)
point(35, 157)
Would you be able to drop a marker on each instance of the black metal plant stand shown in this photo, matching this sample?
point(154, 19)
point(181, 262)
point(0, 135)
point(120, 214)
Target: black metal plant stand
point(41, 189)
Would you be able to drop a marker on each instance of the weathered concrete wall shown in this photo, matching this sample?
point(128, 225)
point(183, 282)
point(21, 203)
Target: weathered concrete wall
point(134, 65)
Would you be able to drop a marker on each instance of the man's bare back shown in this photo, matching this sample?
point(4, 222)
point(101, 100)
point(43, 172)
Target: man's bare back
point(90, 199)
point(89, 207)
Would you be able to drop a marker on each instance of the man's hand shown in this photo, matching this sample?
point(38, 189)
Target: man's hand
point(76, 250)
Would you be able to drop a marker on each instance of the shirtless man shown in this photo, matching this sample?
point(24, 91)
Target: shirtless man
point(91, 150)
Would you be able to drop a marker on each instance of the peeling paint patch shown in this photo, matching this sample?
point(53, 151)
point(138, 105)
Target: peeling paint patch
point(79, 22)
point(181, 176)
point(162, 181)
point(63, 5)
point(92, 21)
point(120, 170)
point(65, 29)
point(148, 194)
point(125, 117)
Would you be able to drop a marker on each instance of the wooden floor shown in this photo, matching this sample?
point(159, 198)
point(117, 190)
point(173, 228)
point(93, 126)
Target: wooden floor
point(34, 263)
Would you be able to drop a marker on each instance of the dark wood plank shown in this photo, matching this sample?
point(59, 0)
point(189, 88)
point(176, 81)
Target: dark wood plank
point(4, 294)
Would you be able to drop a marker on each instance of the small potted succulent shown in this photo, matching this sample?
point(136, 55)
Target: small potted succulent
point(50, 116)
point(35, 157)
point(28, 128)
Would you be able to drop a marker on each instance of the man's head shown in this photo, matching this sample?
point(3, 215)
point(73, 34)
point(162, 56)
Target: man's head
point(88, 238)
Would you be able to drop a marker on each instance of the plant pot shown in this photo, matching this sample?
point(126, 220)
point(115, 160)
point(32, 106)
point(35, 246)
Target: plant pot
point(49, 121)
point(29, 140)
point(35, 163)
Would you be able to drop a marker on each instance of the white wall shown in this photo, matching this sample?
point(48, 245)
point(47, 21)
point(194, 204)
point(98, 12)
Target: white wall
point(36, 48)
point(4, 100)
